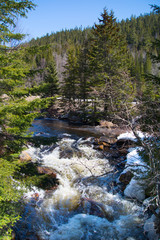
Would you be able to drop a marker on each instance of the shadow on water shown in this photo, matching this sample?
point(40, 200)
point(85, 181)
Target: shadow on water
point(53, 127)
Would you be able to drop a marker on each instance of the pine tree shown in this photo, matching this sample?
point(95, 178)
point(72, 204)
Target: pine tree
point(16, 113)
point(83, 75)
point(108, 63)
point(69, 90)
point(148, 64)
point(51, 80)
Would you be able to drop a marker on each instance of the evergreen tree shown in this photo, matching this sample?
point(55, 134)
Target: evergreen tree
point(69, 89)
point(83, 75)
point(148, 64)
point(51, 80)
point(108, 62)
point(16, 113)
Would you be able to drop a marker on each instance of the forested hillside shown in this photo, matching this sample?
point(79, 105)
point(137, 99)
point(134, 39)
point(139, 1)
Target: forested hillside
point(139, 33)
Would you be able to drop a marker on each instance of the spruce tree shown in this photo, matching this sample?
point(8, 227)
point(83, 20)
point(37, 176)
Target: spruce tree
point(16, 113)
point(50, 80)
point(69, 89)
point(108, 63)
point(83, 76)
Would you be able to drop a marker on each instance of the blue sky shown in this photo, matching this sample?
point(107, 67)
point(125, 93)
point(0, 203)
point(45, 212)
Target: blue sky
point(55, 15)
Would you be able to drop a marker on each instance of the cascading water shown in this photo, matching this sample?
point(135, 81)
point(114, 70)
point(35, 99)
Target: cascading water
point(86, 205)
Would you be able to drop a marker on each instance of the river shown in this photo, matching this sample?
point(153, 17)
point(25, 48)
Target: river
point(88, 204)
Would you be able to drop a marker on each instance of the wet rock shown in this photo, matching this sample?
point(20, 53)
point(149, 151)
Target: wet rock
point(70, 153)
point(67, 153)
point(100, 147)
point(47, 170)
point(122, 145)
point(88, 142)
point(25, 157)
point(107, 141)
point(123, 151)
point(35, 196)
point(125, 143)
point(95, 208)
point(48, 149)
point(104, 143)
point(126, 177)
point(47, 178)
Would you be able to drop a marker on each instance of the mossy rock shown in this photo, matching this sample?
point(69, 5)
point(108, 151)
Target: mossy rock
point(31, 174)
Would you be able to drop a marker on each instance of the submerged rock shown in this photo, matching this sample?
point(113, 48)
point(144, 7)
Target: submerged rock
point(66, 153)
point(95, 208)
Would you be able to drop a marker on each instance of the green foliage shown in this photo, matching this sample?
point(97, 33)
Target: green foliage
point(9, 196)
point(10, 10)
point(16, 111)
point(139, 33)
point(28, 173)
point(97, 72)
point(70, 76)
point(108, 60)
point(51, 80)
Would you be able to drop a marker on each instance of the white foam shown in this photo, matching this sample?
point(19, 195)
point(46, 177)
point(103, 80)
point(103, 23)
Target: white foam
point(68, 195)
point(83, 226)
point(31, 193)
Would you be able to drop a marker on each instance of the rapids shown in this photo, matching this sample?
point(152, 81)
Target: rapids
point(87, 205)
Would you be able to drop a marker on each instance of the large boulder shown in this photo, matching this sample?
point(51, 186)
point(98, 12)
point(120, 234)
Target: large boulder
point(48, 178)
point(47, 170)
point(25, 157)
